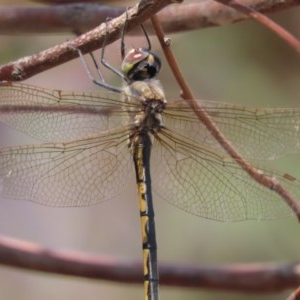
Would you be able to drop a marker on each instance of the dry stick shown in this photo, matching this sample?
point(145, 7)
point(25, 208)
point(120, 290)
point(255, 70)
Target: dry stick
point(88, 42)
point(255, 277)
point(66, 18)
point(72, 17)
point(295, 295)
point(281, 32)
point(269, 182)
point(85, 16)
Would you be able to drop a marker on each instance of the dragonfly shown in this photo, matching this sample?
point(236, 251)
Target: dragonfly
point(92, 144)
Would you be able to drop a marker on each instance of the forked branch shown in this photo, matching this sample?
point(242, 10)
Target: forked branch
point(73, 17)
point(269, 182)
point(85, 16)
point(88, 42)
point(265, 21)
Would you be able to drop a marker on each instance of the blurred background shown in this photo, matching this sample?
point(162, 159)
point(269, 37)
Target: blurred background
point(242, 63)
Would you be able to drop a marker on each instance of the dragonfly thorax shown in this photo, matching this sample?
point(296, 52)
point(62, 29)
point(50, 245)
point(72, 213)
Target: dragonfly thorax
point(149, 96)
point(143, 93)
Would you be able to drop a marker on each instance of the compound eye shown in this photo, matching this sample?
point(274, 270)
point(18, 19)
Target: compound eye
point(133, 57)
point(140, 64)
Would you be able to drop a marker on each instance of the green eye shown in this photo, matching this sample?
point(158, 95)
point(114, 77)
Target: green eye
point(140, 64)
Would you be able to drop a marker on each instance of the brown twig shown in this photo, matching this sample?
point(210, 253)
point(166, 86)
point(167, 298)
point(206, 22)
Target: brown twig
point(295, 295)
point(88, 42)
point(255, 278)
point(267, 22)
point(83, 17)
point(165, 44)
point(269, 182)
point(73, 17)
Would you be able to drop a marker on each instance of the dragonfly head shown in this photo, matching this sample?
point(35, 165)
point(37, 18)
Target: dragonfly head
point(140, 64)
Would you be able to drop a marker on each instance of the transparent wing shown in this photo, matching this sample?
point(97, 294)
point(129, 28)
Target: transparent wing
point(189, 168)
point(54, 115)
point(257, 133)
point(77, 173)
point(210, 184)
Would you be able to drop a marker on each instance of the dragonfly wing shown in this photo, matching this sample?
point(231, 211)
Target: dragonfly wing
point(210, 184)
point(257, 133)
point(77, 173)
point(54, 115)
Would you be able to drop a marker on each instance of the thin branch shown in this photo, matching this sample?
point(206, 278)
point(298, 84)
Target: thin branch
point(269, 182)
point(184, 17)
point(255, 278)
point(295, 295)
point(165, 44)
point(74, 17)
point(265, 21)
point(81, 17)
point(88, 42)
